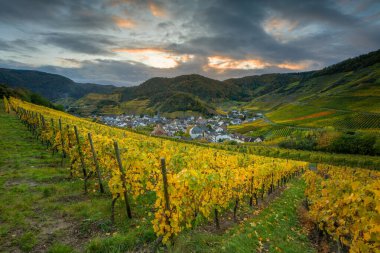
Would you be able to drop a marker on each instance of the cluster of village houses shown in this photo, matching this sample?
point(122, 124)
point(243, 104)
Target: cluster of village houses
point(213, 129)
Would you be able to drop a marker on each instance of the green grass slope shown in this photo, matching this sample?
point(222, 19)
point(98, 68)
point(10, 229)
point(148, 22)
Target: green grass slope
point(352, 85)
point(27, 95)
point(49, 85)
point(42, 210)
point(345, 96)
point(274, 229)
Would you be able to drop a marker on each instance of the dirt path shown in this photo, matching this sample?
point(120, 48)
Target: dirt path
point(34, 214)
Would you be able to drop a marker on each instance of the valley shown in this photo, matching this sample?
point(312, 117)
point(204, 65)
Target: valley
point(260, 144)
point(174, 126)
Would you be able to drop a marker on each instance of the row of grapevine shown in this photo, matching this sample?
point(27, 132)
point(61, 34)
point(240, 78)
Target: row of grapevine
point(345, 203)
point(187, 180)
point(363, 161)
point(359, 121)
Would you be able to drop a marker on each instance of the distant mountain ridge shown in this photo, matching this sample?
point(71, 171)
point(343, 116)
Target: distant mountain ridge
point(196, 93)
point(26, 95)
point(51, 86)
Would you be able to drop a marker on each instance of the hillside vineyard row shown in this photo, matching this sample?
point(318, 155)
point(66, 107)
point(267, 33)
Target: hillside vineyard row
point(200, 180)
point(345, 203)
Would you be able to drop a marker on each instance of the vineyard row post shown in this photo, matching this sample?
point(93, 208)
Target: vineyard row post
point(81, 158)
point(53, 130)
point(95, 158)
point(117, 152)
point(69, 147)
point(62, 140)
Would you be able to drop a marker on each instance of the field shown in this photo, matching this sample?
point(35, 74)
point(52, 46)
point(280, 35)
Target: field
point(43, 210)
point(97, 103)
point(316, 117)
point(270, 131)
point(346, 101)
point(90, 213)
point(248, 127)
point(55, 215)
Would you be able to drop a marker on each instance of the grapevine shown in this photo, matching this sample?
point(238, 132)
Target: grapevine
point(200, 180)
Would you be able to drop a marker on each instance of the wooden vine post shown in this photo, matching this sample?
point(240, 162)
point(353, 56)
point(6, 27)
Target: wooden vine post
point(69, 148)
point(166, 198)
point(62, 140)
point(216, 218)
point(53, 137)
point(165, 181)
point(52, 125)
point(94, 156)
point(251, 192)
point(129, 213)
point(81, 159)
point(236, 208)
point(272, 184)
point(43, 127)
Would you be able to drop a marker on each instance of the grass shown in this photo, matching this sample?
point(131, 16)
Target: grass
point(247, 127)
point(42, 210)
point(291, 112)
point(99, 103)
point(274, 229)
point(367, 103)
point(318, 117)
point(136, 106)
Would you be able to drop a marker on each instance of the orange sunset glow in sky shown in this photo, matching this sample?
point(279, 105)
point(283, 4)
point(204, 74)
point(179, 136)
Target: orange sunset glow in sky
point(125, 42)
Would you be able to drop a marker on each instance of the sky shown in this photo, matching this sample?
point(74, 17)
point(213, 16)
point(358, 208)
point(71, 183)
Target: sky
point(126, 42)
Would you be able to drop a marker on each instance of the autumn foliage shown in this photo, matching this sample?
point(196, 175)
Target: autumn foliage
point(345, 203)
point(201, 181)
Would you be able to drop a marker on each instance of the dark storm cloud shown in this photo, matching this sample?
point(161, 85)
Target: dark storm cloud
point(121, 73)
point(60, 14)
point(313, 11)
point(235, 28)
point(320, 32)
point(4, 46)
point(81, 43)
point(18, 45)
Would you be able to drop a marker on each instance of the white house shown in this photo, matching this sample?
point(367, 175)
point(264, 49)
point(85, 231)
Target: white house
point(195, 132)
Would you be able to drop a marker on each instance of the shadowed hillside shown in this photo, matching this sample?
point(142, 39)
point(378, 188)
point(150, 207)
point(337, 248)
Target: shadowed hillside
point(349, 85)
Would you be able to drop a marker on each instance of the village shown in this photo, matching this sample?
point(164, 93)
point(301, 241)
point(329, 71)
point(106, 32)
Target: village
point(213, 129)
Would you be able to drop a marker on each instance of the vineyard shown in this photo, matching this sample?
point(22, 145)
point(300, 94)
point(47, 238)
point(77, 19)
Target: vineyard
point(187, 181)
point(345, 203)
point(359, 121)
point(263, 128)
point(197, 182)
point(361, 161)
point(315, 116)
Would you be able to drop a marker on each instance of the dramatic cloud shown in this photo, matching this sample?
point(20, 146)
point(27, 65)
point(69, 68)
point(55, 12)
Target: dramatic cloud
point(124, 22)
point(81, 43)
point(125, 42)
point(223, 64)
point(156, 10)
point(155, 57)
point(226, 63)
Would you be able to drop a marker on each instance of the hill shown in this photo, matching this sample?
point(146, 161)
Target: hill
point(254, 86)
point(51, 86)
point(336, 109)
point(187, 93)
point(353, 81)
point(351, 86)
point(27, 95)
